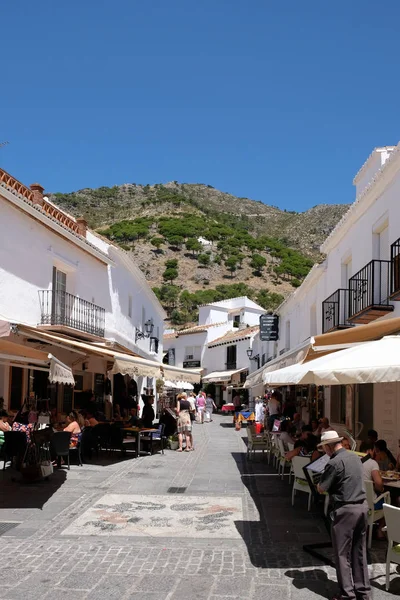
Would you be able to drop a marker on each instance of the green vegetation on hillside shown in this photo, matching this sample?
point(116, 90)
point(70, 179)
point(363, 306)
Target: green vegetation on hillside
point(182, 307)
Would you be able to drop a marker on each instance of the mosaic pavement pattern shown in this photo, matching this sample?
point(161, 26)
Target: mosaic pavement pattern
point(160, 516)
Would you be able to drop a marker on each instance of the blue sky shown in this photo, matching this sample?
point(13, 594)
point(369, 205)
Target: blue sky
point(280, 102)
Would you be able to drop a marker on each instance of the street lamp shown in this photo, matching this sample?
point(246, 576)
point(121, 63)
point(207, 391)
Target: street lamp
point(148, 330)
point(249, 352)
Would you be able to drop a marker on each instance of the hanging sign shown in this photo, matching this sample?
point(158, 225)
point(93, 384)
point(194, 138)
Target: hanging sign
point(269, 328)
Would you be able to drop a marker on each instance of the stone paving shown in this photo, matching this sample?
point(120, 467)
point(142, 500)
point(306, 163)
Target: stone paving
point(224, 529)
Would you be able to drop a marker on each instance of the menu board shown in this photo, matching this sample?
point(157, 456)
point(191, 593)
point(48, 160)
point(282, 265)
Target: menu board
point(269, 328)
point(99, 387)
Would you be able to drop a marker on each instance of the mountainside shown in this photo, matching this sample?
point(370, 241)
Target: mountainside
point(197, 244)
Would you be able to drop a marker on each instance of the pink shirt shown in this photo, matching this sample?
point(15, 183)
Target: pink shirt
point(200, 402)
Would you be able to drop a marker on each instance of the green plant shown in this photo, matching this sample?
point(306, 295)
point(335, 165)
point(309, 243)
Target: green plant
point(193, 245)
point(258, 262)
point(204, 259)
point(231, 264)
point(157, 242)
point(172, 263)
point(170, 274)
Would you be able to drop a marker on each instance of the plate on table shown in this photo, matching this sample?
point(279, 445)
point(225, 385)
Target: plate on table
point(390, 475)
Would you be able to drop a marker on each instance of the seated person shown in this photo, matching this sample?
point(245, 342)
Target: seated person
point(133, 420)
point(371, 473)
point(305, 433)
point(90, 420)
point(307, 447)
point(4, 424)
point(285, 435)
point(73, 427)
point(297, 422)
point(372, 438)
point(383, 456)
point(325, 426)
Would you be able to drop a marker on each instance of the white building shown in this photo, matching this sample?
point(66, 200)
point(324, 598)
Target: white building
point(352, 296)
point(218, 344)
point(74, 293)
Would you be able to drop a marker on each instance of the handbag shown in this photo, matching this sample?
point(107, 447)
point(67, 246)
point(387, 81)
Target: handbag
point(46, 468)
point(192, 416)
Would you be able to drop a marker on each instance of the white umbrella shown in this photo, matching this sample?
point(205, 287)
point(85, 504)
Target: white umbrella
point(371, 362)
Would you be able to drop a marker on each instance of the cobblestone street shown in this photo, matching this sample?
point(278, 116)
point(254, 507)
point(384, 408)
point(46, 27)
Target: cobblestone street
point(222, 528)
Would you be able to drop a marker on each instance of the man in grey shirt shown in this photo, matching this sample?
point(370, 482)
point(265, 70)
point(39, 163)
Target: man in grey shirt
point(343, 480)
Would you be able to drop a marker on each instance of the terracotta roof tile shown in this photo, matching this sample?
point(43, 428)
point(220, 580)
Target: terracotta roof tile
point(235, 335)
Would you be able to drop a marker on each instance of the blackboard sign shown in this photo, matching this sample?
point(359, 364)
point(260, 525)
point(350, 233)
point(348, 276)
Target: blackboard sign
point(99, 386)
point(269, 328)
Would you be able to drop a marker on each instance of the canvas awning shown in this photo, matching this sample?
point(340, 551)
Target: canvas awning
point(124, 363)
point(14, 354)
point(369, 362)
point(59, 372)
point(254, 379)
point(176, 375)
point(221, 376)
point(136, 368)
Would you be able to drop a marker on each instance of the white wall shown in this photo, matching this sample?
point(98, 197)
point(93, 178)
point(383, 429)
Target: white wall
point(28, 253)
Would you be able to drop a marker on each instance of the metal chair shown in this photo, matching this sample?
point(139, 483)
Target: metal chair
point(255, 443)
point(60, 443)
point(155, 436)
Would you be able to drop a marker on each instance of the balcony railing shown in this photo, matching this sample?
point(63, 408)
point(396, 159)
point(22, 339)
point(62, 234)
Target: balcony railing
point(370, 292)
point(335, 311)
point(395, 270)
point(62, 308)
point(231, 366)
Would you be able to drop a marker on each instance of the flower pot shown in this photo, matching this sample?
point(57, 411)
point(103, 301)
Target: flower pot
point(174, 445)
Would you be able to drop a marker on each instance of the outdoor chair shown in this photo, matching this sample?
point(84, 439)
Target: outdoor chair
point(300, 483)
point(60, 443)
point(274, 450)
point(155, 438)
point(282, 461)
point(373, 514)
point(255, 443)
point(14, 446)
point(392, 518)
point(116, 438)
point(101, 436)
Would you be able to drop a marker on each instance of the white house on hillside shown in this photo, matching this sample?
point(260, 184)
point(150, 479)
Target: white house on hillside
point(218, 344)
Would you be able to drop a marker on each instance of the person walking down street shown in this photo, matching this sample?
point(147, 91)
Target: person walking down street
point(184, 423)
point(274, 408)
point(344, 481)
point(210, 405)
point(201, 406)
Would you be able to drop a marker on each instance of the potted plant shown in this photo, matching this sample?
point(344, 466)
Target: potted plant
point(173, 443)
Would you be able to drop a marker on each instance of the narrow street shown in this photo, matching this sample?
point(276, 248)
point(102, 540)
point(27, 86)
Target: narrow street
point(201, 525)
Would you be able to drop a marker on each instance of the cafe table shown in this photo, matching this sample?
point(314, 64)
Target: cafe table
point(137, 431)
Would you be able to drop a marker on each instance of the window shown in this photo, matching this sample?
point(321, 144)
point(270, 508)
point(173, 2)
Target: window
point(170, 357)
point(192, 352)
point(59, 296)
point(130, 307)
point(236, 320)
point(231, 357)
point(346, 273)
point(154, 344)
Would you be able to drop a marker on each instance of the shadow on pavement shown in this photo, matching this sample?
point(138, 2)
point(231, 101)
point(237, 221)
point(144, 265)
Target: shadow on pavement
point(277, 531)
point(315, 580)
point(16, 492)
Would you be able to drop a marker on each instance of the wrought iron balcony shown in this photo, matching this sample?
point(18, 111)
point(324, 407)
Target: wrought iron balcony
point(395, 270)
point(335, 311)
point(231, 366)
point(370, 292)
point(63, 309)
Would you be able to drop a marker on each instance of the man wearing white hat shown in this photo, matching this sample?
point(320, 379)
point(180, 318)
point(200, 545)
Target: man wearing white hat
point(343, 480)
